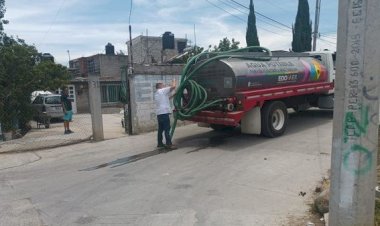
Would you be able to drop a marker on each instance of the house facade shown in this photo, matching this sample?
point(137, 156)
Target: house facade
point(150, 55)
point(107, 66)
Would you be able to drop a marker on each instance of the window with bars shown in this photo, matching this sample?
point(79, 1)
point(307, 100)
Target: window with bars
point(110, 93)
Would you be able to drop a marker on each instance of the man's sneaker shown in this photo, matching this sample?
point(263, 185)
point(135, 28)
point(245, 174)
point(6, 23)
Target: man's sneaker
point(70, 131)
point(171, 147)
point(161, 147)
point(67, 132)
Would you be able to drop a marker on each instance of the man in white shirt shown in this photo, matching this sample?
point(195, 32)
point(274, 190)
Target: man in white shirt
point(163, 111)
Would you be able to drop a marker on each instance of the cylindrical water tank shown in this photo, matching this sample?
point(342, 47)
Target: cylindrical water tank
point(223, 78)
point(110, 49)
point(168, 40)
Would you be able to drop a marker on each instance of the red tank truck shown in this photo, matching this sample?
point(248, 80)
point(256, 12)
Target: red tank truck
point(256, 94)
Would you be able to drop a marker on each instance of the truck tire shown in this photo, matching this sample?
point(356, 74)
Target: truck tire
point(274, 119)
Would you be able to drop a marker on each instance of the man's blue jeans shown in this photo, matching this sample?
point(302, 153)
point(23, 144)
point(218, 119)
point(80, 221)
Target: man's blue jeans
point(163, 126)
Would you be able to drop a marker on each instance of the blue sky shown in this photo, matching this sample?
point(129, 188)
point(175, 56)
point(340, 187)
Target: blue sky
point(84, 27)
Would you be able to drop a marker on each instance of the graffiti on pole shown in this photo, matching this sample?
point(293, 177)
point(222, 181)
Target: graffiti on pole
point(361, 96)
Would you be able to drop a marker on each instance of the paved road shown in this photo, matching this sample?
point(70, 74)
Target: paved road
point(214, 178)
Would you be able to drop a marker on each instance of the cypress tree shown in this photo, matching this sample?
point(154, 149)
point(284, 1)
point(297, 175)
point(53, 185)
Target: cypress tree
point(302, 28)
point(2, 12)
point(251, 35)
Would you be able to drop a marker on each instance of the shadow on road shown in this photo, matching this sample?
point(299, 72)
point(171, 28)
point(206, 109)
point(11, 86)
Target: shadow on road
point(234, 140)
point(125, 160)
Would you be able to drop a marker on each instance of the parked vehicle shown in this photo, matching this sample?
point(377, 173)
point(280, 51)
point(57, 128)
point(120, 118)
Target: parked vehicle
point(37, 93)
point(48, 105)
point(254, 90)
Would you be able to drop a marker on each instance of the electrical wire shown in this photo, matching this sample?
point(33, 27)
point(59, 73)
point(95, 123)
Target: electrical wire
point(196, 97)
point(259, 19)
point(266, 17)
point(242, 18)
point(334, 43)
point(54, 20)
point(211, 3)
point(276, 5)
point(236, 8)
point(327, 43)
point(286, 27)
point(328, 36)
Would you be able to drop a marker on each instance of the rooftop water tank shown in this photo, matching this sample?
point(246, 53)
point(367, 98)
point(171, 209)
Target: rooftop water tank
point(110, 49)
point(168, 40)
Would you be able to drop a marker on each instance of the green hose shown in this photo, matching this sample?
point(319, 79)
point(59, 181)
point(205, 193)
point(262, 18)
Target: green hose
point(198, 100)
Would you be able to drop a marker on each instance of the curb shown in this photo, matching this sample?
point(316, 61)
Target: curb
point(48, 146)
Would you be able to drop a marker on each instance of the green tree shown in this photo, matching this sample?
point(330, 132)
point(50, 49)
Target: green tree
point(225, 44)
point(251, 35)
point(50, 76)
point(2, 21)
point(16, 80)
point(302, 29)
point(20, 75)
point(2, 13)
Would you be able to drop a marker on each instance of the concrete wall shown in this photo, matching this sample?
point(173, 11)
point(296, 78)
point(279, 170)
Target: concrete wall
point(143, 83)
point(148, 50)
point(143, 88)
point(110, 66)
point(81, 89)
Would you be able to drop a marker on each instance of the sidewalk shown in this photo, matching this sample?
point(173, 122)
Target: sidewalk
point(41, 138)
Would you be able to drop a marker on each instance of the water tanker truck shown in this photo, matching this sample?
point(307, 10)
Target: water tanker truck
point(253, 88)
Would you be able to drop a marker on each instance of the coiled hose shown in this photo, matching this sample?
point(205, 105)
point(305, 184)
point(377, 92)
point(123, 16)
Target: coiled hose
point(190, 97)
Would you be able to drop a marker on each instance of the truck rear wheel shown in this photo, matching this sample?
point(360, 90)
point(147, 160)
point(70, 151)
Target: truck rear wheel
point(274, 119)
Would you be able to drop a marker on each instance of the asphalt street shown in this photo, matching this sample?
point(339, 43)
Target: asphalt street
point(214, 178)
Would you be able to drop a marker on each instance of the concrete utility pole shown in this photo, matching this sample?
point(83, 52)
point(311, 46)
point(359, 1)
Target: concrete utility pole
point(129, 75)
point(316, 23)
point(95, 106)
point(355, 127)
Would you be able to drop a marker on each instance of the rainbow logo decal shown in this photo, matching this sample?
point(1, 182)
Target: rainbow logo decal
point(314, 71)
